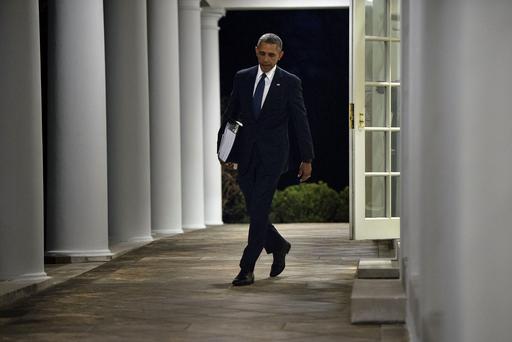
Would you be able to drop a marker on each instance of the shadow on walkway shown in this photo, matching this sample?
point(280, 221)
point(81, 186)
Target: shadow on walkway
point(179, 289)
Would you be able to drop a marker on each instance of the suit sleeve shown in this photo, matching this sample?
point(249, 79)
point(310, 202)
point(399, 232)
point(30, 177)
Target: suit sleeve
point(231, 111)
point(300, 123)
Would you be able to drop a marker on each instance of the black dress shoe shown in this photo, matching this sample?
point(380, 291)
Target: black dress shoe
point(243, 278)
point(279, 260)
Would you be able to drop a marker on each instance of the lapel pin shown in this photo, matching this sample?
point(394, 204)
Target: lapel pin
point(278, 84)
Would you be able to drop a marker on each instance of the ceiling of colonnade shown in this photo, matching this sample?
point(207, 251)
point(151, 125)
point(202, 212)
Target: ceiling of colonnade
point(273, 4)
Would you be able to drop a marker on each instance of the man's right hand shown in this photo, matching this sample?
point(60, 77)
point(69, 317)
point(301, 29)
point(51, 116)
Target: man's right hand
point(305, 170)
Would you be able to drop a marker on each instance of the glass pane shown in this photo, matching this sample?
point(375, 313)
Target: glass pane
point(395, 196)
point(375, 55)
point(375, 196)
point(375, 17)
point(375, 106)
point(395, 62)
point(395, 107)
point(395, 18)
point(375, 149)
point(395, 151)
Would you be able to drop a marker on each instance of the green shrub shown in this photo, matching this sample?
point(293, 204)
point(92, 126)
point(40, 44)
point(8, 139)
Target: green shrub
point(343, 206)
point(310, 202)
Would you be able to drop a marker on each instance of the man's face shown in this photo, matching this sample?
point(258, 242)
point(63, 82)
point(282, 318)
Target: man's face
point(268, 55)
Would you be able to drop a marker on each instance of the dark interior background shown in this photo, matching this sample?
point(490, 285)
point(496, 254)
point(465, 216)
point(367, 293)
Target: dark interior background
point(316, 48)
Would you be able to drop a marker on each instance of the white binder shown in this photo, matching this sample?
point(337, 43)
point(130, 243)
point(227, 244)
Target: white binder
point(228, 139)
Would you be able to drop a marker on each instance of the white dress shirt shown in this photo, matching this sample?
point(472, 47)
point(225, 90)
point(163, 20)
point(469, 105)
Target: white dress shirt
point(268, 82)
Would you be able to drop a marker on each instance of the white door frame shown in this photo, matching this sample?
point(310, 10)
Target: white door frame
point(362, 227)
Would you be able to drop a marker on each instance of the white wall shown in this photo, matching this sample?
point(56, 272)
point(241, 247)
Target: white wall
point(411, 134)
point(456, 164)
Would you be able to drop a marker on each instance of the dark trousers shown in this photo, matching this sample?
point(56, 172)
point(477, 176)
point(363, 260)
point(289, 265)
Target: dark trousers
point(258, 187)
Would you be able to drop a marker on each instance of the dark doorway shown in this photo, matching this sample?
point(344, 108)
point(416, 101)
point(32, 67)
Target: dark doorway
point(316, 46)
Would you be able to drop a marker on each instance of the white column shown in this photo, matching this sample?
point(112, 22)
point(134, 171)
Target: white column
point(211, 114)
point(191, 101)
point(77, 209)
point(460, 129)
point(411, 244)
point(128, 120)
point(164, 104)
point(21, 151)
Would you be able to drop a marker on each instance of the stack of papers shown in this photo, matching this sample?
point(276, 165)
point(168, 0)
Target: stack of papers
point(228, 140)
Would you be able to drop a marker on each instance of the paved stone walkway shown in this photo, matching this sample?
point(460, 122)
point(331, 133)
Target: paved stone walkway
point(179, 289)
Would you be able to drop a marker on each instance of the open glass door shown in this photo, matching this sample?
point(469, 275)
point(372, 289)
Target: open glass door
point(375, 119)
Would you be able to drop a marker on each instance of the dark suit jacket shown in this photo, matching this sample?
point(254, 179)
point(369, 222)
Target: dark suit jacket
point(284, 104)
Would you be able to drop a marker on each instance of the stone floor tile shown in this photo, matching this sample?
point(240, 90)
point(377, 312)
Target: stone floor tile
point(178, 288)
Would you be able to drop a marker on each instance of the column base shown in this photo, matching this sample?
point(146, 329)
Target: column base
point(71, 257)
point(215, 223)
point(145, 238)
point(194, 226)
point(167, 231)
point(32, 277)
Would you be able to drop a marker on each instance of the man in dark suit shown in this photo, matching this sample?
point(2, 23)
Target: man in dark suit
point(266, 98)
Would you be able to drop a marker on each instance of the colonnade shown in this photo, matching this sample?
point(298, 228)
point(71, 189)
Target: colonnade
point(130, 130)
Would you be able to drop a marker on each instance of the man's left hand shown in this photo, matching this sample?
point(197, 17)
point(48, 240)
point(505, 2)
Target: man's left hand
point(305, 170)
